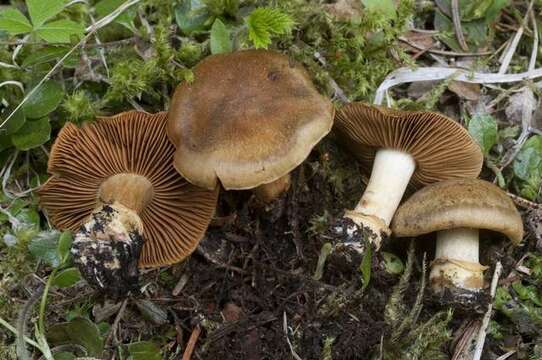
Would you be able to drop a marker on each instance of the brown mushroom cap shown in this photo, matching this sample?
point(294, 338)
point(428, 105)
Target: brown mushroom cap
point(175, 216)
point(441, 147)
point(469, 203)
point(247, 119)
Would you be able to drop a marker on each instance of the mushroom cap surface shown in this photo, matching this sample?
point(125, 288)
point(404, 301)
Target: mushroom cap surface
point(247, 119)
point(441, 147)
point(468, 203)
point(177, 213)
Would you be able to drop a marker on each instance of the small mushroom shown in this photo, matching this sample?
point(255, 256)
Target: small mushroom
point(247, 120)
point(416, 148)
point(113, 182)
point(456, 210)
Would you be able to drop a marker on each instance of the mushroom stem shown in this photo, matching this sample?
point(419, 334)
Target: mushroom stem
point(270, 191)
point(457, 261)
point(392, 170)
point(107, 247)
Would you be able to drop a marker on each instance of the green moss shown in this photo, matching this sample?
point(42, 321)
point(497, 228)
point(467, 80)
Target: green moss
point(81, 107)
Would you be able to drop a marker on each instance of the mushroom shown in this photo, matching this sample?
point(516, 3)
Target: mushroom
point(113, 182)
point(247, 120)
point(416, 148)
point(456, 210)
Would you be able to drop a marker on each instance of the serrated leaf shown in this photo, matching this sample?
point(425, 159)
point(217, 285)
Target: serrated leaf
point(220, 38)
point(79, 331)
point(144, 350)
point(60, 31)
point(14, 22)
point(66, 278)
point(44, 100)
point(264, 22)
point(42, 10)
point(384, 7)
point(44, 55)
point(44, 247)
point(32, 134)
point(64, 245)
point(483, 128)
point(192, 16)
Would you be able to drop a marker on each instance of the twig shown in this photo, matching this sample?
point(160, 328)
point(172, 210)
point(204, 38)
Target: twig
point(507, 355)
point(534, 51)
point(444, 52)
point(456, 17)
point(324, 253)
point(485, 322)
point(25, 312)
point(285, 329)
point(338, 92)
point(113, 332)
point(191, 345)
point(524, 203)
point(511, 50)
point(8, 326)
point(407, 75)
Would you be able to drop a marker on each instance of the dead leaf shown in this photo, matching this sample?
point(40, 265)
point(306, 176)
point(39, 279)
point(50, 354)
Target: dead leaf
point(521, 107)
point(467, 91)
point(418, 89)
point(232, 312)
point(418, 41)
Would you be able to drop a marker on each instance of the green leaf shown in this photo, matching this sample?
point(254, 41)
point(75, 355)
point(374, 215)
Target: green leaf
point(144, 350)
point(79, 331)
point(106, 7)
point(192, 16)
point(483, 128)
point(32, 134)
point(40, 11)
point(14, 22)
point(66, 278)
point(64, 245)
point(264, 22)
point(365, 266)
point(14, 123)
point(44, 100)
point(63, 355)
point(44, 247)
point(527, 167)
point(44, 55)
point(385, 7)
point(392, 263)
point(220, 38)
point(60, 31)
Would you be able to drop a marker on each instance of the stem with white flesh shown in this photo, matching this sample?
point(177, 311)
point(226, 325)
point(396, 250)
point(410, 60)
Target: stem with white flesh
point(108, 245)
point(392, 170)
point(457, 261)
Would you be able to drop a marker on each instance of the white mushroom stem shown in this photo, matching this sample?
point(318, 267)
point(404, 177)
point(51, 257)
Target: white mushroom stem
point(392, 170)
point(457, 260)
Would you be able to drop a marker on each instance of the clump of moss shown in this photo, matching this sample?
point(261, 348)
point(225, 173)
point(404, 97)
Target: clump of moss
point(356, 50)
point(80, 107)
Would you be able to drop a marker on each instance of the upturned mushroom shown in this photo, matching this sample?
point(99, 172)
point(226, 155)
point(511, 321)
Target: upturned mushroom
point(456, 210)
point(113, 182)
point(246, 121)
point(416, 148)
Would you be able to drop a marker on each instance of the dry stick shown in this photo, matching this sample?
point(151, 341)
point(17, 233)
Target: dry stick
point(113, 332)
point(443, 52)
point(524, 203)
point(487, 316)
point(90, 32)
point(511, 50)
point(407, 75)
point(187, 355)
point(456, 17)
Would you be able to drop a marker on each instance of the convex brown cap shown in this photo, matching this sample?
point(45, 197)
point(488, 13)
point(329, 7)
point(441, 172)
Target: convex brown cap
point(467, 203)
point(174, 213)
point(247, 119)
point(441, 147)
